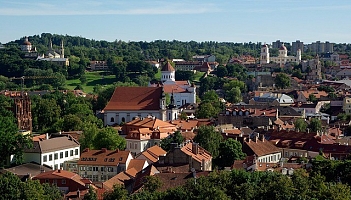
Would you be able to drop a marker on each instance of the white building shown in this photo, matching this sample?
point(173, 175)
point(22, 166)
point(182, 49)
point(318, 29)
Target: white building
point(282, 58)
point(183, 91)
point(53, 151)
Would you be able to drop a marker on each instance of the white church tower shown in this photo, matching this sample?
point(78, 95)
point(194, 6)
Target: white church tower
point(167, 73)
point(264, 58)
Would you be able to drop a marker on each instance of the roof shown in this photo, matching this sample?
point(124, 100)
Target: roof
point(150, 123)
point(167, 68)
point(261, 148)
point(153, 153)
point(53, 144)
point(120, 178)
point(103, 157)
point(60, 174)
point(201, 155)
point(28, 168)
point(282, 47)
point(137, 164)
point(135, 98)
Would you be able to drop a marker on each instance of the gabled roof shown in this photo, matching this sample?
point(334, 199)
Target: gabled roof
point(137, 164)
point(120, 178)
point(153, 153)
point(201, 155)
point(28, 168)
point(167, 68)
point(103, 157)
point(261, 148)
point(135, 98)
point(60, 174)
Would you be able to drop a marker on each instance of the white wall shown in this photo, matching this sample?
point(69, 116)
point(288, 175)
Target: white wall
point(57, 162)
point(271, 158)
point(118, 115)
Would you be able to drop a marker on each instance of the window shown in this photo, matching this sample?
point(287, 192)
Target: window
point(61, 154)
point(45, 158)
point(66, 154)
point(76, 151)
point(130, 145)
point(50, 157)
point(95, 169)
point(135, 146)
point(110, 169)
point(56, 166)
point(46, 180)
point(71, 152)
point(63, 181)
point(112, 119)
point(103, 169)
point(61, 165)
point(56, 156)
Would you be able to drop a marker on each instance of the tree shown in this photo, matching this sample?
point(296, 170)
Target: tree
point(222, 71)
point(300, 125)
point(51, 192)
point(109, 138)
point(297, 73)
point(91, 195)
point(118, 192)
point(11, 141)
point(206, 110)
point(282, 81)
point(315, 125)
point(88, 136)
point(151, 183)
point(209, 139)
point(229, 151)
point(312, 98)
point(183, 116)
point(233, 95)
point(174, 138)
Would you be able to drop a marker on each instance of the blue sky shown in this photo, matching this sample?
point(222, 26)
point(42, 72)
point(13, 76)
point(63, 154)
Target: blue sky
point(185, 20)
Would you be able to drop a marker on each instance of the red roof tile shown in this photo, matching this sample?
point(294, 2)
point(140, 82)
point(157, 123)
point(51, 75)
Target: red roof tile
point(103, 157)
point(135, 98)
point(167, 68)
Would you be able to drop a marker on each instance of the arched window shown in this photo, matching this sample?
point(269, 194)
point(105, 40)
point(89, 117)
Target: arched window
point(123, 119)
point(112, 119)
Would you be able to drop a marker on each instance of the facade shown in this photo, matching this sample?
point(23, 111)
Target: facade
point(98, 65)
point(295, 46)
point(313, 68)
point(321, 47)
point(191, 153)
point(64, 180)
point(282, 58)
point(145, 133)
point(55, 56)
point(183, 92)
point(101, 165)
point(346, 106)
point(205, 58)
point(53, 152)
point(264, 151)
point(29, 50)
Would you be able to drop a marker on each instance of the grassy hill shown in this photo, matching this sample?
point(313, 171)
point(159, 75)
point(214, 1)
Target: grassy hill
point(93, 78)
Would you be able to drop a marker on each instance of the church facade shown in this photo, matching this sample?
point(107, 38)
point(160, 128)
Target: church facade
point(281, 59)
point(182, 91)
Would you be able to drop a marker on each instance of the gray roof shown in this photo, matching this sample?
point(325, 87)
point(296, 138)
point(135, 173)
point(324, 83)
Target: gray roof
point(53, 144)
point(28, 168)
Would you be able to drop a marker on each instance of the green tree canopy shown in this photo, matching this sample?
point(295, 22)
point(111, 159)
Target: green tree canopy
point(282, 81)
point(174, 138)
point(109, 138)
point(229, 151)
point(209, 139)
point(300, 125)
point(315, 125)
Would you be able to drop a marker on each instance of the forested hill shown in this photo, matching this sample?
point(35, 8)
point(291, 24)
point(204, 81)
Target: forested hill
point(101, 50)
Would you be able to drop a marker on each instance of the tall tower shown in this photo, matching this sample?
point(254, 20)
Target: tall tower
point(167, 73)
point(172, 110)
point(163, 105)
point(264, 58)
point(62, 55)
point(283, 52)
point(298, 55)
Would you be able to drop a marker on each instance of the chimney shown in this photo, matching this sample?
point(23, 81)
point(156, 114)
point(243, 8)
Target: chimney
point(195, 148)
point(117, 150)
point(103, 150)
point(59, 170)
point(86, 150)
point(47, 136)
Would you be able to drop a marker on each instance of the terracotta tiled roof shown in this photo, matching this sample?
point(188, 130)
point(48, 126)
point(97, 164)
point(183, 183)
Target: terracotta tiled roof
point(261, 148)
point(315, 92)
point(153, 153)
point(103, 157)
point(185, 125)
point(135, 98)
point(201, 155)
point(167, 68)
point(120, 178)
point(137, 164)
point(59, 174)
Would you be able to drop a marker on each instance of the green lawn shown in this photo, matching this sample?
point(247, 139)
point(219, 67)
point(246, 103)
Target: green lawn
point(93, 78)
point(198, 75)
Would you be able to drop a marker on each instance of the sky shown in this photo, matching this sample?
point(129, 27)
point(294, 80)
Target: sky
point(184, 20)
